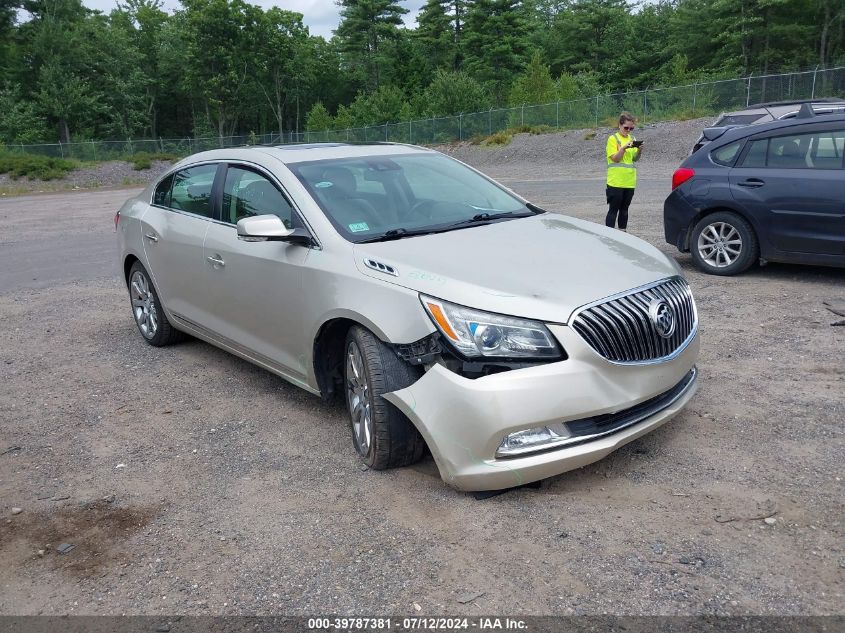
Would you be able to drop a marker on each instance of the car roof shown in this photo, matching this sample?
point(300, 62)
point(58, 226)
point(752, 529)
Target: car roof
point(777, 109)
point(739, 132)
point(304, 152)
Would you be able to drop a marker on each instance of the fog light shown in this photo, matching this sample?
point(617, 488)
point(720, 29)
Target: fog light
point(531, 440)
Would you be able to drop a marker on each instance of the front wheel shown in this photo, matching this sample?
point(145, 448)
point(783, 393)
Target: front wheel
point(383, 437)
point(723, 243)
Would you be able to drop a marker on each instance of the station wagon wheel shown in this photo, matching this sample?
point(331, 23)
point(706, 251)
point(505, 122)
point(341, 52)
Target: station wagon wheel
point(383, 437)
point(147, 309)
point(723, 243)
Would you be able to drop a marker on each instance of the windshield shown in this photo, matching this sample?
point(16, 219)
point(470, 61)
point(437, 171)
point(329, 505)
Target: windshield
point(389, 197)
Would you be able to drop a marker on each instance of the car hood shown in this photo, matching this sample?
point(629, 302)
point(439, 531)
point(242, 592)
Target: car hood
point(542, 267)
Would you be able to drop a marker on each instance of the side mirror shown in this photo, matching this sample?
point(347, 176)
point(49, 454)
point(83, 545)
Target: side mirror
point(270, 228)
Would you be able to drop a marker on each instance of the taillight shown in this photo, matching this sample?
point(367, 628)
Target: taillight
point(116, 220)
point(681, 175)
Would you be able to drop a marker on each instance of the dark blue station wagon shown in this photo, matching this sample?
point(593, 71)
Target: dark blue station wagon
point(769, 192)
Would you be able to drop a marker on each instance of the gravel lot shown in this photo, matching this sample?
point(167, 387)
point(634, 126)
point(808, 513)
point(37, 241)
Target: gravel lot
point(190, 482)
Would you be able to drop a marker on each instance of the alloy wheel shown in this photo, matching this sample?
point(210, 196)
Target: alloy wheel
point(719, 244)
point(358, 399)
point(143, 304)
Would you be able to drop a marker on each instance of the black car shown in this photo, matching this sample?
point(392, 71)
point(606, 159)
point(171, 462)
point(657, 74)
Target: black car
point(768, 192)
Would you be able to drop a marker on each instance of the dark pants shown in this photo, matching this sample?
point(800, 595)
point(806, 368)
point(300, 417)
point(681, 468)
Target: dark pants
point(618, 201)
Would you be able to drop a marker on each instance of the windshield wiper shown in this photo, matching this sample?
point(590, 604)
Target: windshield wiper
point(397, 234)
point(478, 218)
point(488, 217)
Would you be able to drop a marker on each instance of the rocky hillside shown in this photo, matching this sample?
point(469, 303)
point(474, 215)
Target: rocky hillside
point(580, 152)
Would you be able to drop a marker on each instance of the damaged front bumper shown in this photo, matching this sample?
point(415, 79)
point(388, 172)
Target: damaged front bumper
point(464, 420)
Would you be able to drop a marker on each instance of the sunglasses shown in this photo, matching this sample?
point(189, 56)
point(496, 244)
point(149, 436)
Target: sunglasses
point(625, 127)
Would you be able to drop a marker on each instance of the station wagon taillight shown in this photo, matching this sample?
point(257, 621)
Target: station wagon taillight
point(116, 220)
point(681, 175)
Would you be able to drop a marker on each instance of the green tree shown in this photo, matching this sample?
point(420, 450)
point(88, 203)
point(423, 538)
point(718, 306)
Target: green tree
point(567, 88)
point(114, 75)
point(495, 40)
point(453, 92)
point(146, 24)
point(439, 31)
point(283, 59)
point(56, 56)
point(344, 118)
point(321, 76)
point(641, 59)
point(8, 18)
point(20, 121)
point(410, 67)
point(534, 85)
point(364, 26)
point(318, 118)
point(597, 31)
point(831, 37)
point(435, 35)
point(221, 42)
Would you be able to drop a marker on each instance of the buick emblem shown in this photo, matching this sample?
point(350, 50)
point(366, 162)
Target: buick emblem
point(663, 317)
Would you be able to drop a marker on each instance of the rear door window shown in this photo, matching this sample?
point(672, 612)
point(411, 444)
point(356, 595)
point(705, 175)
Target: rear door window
point(191, 190)
point(756, 154)
point(817, 150)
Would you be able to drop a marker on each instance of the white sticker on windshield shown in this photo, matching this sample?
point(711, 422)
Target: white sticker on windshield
point(323, 184)
point(358, 227)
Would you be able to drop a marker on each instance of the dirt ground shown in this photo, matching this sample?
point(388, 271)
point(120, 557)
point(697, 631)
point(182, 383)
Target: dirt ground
point(190, 482)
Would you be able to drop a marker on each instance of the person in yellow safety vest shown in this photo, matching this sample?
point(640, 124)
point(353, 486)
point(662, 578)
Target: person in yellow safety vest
point(622, 152)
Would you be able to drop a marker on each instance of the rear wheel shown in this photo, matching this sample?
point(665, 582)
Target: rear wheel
point(381, 434)
point(723, 243)
point(147, 310)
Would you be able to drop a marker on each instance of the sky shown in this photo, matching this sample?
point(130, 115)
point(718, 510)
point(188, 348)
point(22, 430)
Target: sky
point(320, 16)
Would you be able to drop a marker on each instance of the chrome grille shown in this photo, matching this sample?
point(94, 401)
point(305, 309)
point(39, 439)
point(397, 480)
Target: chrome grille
point(621, 329)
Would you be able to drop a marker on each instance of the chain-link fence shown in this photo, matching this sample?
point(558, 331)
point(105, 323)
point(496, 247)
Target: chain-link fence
point(693, 100)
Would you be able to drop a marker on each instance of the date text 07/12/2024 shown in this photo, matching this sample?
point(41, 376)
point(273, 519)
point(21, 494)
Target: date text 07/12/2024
point(413, 623)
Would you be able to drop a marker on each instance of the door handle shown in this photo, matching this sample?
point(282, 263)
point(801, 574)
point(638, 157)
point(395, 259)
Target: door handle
point(151, 236)
point(751, 182)
point(216, 261)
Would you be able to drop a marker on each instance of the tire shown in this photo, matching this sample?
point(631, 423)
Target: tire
point(723, 243)
point(383, 437)
point(147, 309)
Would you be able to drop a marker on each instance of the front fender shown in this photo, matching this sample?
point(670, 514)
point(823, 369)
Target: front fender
point(391, 312)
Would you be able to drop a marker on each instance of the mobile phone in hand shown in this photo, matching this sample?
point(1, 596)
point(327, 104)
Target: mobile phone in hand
point(636, 143)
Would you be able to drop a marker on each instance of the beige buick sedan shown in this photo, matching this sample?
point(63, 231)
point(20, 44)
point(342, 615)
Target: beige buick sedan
point(447, 311)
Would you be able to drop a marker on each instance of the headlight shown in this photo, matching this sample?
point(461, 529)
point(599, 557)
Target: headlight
point(475, 334)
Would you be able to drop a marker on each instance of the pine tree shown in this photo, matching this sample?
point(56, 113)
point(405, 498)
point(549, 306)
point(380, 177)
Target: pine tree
point(496, 41)
point(364, 26)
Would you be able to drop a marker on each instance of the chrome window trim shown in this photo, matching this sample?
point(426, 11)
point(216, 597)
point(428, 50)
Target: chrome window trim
point(263, 171)
point(620, 295)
